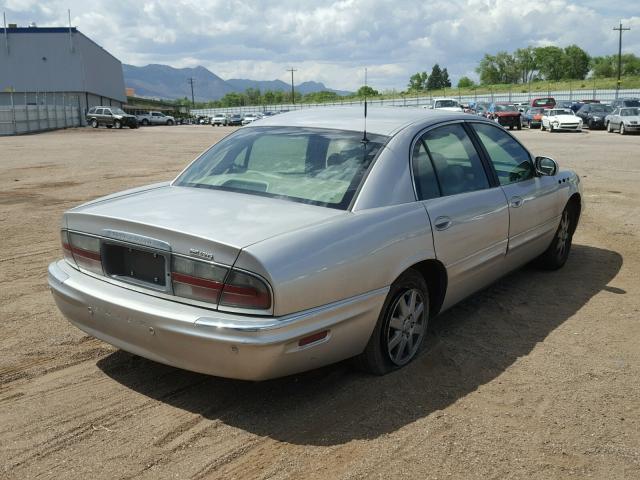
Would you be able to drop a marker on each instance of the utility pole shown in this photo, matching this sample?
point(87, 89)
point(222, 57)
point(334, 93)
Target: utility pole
point(620, 29)
point(293, 96)
point(193, 100)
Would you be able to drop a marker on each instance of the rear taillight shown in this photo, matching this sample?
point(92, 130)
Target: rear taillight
point(81, 251)
point(85, 251)
point(197, 280)
point(210, 283)
point(242, 290)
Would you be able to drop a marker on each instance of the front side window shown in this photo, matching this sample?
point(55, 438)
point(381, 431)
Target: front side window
point(510, 160)
point(456, 162)
point(309, 165)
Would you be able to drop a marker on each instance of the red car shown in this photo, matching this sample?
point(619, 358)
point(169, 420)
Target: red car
point(506, 114)
point(544, 102)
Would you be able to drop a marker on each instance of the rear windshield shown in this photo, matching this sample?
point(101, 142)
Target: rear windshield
point(308, 165)
point(631, 103)
point(542, 101)
point(446, 104)
point(506, 108)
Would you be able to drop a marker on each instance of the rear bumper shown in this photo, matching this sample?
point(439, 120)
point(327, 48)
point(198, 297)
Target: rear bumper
point(211, 342)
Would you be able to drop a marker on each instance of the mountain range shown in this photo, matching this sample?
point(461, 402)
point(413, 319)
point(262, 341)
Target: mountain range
point(164, 81)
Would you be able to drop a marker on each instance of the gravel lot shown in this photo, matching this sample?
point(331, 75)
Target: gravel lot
point(537, 377)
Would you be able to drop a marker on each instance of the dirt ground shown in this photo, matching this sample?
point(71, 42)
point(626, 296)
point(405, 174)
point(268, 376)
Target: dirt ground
point(537, 377)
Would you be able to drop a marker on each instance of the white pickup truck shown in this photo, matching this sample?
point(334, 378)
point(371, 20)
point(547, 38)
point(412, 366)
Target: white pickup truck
point(155, 118)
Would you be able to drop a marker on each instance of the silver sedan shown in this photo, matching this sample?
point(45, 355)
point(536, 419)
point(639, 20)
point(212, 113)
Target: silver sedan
point(304, 239)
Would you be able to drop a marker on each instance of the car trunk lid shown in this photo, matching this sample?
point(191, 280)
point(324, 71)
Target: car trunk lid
point(207, 223)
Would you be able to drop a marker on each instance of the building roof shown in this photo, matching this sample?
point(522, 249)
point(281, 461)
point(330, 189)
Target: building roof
point(38, 30)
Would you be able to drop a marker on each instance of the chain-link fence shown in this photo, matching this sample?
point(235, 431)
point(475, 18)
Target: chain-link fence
point(30, 112)
point(511, 95)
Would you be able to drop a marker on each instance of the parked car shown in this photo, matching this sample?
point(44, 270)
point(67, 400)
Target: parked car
point(625, 102)
point(110, 117)
point(533, 117)
point(447, 104)
point(479, 108)
point(555, 119)
point(234, 120)
point(250, 118)
point(544, 102)
point(506, 114)
point(156, 118)
point(305, 255)
point(593, 114)
point(219, 120)
point(626, 119)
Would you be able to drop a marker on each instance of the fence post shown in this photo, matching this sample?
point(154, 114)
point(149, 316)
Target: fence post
point(38, 109)
point(13, 113)
point(64, 108)
point(26, 112)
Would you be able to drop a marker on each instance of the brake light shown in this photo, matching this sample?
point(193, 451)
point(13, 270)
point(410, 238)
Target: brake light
point(66, 247)
point(245, 291)
point(197, 280)
point(84, 250)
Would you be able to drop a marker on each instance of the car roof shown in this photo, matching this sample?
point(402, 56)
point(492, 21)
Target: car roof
point(380, 120)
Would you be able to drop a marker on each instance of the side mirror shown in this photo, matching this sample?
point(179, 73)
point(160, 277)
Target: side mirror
point(546, 166)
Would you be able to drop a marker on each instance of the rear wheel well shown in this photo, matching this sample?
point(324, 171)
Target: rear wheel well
point(435, 275)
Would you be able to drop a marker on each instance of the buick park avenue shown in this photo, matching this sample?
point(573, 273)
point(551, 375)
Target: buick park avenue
point(303, 239)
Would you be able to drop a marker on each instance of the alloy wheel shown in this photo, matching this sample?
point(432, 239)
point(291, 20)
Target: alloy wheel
point(563, 235)
point(406, 326)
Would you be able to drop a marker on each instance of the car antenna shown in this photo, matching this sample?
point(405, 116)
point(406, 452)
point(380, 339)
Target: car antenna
point(364, 136)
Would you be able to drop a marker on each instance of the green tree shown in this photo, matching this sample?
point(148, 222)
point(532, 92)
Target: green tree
point(465, 82)
point(418, 82)
point(446, 81)
point(630, 64)
point(435, 80)
point(525, 59)
point(576, 63)
point(488, 70)
point(551, 62)
point(367, 91)
point(253, 96)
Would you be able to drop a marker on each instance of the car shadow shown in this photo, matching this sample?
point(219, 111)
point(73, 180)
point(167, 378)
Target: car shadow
point(468, 346)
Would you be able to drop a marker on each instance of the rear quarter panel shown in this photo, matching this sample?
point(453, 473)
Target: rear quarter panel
point(341, 258)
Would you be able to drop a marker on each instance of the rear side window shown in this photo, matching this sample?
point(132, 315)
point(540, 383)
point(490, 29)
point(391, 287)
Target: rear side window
point(456, 162)
point(510, 160)
point(92, 110)
point(423, 173)
point(99, 111)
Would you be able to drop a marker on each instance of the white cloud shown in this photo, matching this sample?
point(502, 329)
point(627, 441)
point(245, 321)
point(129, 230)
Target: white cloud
point(334, 40)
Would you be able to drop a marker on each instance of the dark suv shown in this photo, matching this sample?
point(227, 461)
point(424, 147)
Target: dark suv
point(110, 117)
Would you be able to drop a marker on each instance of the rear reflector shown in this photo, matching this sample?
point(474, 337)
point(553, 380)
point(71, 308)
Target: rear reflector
point(245, 291)
point(316, 337)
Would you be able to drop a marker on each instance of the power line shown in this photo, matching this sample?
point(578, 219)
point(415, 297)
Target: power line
point(620, 29)
point(193, 100)
point(293, 97)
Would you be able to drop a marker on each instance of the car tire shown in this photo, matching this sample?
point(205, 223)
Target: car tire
point(109, 126)
point(169, 122)
point(551, 129)
point(590, 124)
point(401, 329)
point(117, 124)
point(609, 128)
point(622, 130)
point(542, 129)
point(556, 255)
point(94, 123)
point(519, 127)
point(145, 122)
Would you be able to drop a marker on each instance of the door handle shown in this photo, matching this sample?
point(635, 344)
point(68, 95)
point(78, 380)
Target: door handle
point(442, 223)
point(516, 202)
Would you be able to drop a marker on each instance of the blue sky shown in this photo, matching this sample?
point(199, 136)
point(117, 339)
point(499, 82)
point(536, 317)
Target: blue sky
point(333, 41)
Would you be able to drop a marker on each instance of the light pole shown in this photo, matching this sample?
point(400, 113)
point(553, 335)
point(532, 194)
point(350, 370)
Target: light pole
point(193, 100)
point(620, 29)
point(293, 96)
